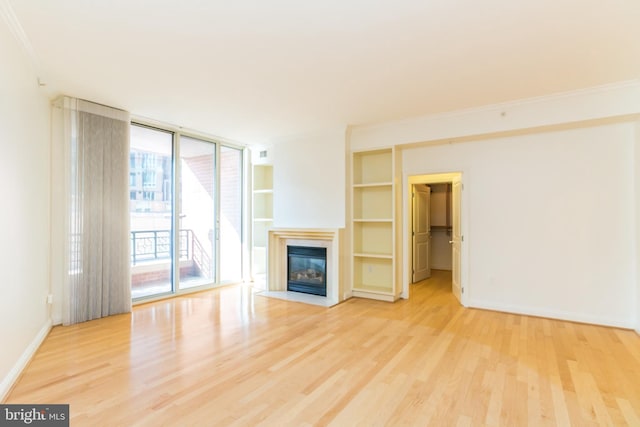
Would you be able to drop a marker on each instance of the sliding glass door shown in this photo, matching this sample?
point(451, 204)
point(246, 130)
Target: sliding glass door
point(151, 211)
point(197, 213)
point(186, 212)
point(230, 214)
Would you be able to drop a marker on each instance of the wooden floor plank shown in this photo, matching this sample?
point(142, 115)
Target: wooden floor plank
point(233, 357)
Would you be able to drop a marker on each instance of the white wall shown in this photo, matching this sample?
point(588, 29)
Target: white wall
point(637, 215)
point(309, 181)
point(550, 221)
point(24, 174)
point(549, 200)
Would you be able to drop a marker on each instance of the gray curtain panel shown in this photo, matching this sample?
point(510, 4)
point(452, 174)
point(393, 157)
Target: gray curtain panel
point(99, 280)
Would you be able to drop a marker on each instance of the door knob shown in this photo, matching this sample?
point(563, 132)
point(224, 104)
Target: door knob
point(451, 242)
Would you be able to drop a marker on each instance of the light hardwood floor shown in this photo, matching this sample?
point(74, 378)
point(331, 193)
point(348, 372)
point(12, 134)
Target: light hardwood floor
point(232, 357)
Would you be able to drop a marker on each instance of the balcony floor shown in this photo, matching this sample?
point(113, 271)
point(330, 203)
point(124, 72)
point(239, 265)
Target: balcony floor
point(164, 287)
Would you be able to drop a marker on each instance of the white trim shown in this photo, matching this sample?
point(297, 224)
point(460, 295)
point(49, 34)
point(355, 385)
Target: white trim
point(616, 100)
point(374, 295)
point(15, 27)
point(594, 90)
point(550, 314)
point(22, 362)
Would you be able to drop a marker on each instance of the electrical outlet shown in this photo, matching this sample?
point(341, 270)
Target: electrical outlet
point(370, 269)
point(50, 299)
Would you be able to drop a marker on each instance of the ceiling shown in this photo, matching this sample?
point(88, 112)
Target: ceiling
point(254, 71)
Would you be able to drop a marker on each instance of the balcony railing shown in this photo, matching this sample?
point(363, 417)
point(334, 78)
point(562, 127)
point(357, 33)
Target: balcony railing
point(152, 245)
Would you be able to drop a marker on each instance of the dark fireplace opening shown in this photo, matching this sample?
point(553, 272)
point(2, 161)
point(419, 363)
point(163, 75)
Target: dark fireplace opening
point(307, 270)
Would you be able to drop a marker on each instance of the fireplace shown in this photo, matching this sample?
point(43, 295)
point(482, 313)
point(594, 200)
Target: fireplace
point(307, 269)
point(278, 264)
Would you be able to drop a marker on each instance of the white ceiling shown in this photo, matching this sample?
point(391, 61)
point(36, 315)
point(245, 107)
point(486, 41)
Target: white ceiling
point(256, 70)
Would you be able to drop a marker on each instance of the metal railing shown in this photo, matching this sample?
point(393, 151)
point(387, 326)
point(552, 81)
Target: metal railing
point(201, 257)
point(152, 245)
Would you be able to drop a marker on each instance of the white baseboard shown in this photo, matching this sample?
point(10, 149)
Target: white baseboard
point(56, 321)
point(14, 373)
point(551, 314)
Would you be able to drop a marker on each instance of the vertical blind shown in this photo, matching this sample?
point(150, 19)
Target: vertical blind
point(96, 151)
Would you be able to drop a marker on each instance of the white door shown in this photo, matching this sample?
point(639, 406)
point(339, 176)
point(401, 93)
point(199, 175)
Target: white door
point(456, 239)
point(421, 232)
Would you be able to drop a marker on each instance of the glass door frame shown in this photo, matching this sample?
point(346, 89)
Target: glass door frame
point(243, 216)
point(177, 133)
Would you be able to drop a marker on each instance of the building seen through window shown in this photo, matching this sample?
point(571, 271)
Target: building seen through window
point(149, 182)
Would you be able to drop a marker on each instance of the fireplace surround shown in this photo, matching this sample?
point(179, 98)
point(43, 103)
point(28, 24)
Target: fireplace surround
point(277, 274)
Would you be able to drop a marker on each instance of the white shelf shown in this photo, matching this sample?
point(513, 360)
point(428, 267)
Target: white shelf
point(371, 289)
point(372, 167)
point(262, 205)
point(370, 255)
point(373, 273)
point(262, 177)
point(373, 184)
point(373, 294)
point(373, 202)
point(263, 191)
point(373, 237)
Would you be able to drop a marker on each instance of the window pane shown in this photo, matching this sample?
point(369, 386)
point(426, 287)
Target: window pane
point(197, 216)
point(230, 214)
point(150, 211)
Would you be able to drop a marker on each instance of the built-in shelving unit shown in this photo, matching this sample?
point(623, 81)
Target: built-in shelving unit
point(373, 233)
point(262, 217)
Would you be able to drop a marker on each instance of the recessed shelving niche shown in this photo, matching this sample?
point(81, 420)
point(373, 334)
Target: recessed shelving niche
point(262, 217)
point(372, 224)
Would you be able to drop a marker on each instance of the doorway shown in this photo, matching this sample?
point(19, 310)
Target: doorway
point(432, 229)
point(422, 223)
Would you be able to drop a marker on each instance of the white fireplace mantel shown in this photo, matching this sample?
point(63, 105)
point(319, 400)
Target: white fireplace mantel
point(280, 238)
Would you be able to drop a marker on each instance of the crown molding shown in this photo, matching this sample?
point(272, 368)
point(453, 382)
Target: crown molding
point(507, 105)
point(584, 107)
point(15, 28)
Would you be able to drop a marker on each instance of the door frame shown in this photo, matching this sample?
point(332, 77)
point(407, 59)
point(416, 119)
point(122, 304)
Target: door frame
point(407, 228)
point(177, 134)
